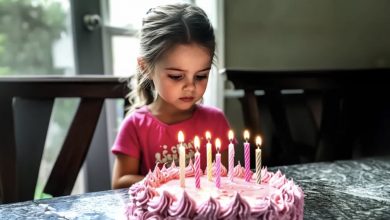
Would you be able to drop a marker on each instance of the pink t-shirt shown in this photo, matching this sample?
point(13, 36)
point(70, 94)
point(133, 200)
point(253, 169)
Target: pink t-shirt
point(144, 137)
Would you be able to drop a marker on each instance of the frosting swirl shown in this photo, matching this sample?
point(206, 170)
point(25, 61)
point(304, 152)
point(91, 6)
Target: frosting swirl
point(278, 180)
point(260, 207)
point(161, 204)
point(185, 207)
point(173, 172)
point(158, 175)
point(144, 196)
point(214, 169)
point(153, 216)
point(208, 210)
point(265, 175)
point(277, 202)
point(239, 171)
point(151, 180)
point(237, 209)
point(190, 169)
point(135, 188)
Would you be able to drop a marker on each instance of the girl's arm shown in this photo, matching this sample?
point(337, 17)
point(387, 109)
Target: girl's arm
point(125, 172)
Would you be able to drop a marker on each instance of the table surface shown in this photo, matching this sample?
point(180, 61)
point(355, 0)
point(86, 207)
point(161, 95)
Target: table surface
point(356, 189)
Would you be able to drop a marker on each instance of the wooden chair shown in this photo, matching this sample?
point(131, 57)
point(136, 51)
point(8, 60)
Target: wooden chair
point(25, 107)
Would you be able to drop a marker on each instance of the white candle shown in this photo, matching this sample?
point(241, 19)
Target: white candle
point(209, 156)
point(258, 160)
point(182, 159)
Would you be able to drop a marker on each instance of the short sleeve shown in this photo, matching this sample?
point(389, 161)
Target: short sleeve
point(127, 141)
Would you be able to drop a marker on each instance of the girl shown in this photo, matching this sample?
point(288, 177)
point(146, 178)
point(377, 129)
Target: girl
point(176, 53)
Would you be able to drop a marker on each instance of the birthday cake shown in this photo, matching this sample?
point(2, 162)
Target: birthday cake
point(159, 196)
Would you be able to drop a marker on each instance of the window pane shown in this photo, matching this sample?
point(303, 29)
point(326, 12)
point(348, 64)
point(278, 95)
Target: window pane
point(35, 37)
point(63, 113)
point(124, 52)
point(129, 13)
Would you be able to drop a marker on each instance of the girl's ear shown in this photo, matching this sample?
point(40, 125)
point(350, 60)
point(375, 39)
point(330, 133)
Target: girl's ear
point(141, 64)
point(143, 67)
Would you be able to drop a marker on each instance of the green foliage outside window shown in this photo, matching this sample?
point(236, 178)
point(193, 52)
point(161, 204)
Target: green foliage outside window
point(28, 29)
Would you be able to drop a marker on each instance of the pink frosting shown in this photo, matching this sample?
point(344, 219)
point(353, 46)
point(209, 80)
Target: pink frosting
point(239, 171)
point(143, 197)
point(160, 205)
point(134, 189)
point(265, 175)
point(185, 207)
point(238, 209)
point(214, 170)
point(260, 207)
point(190, 169)
point(278, 180)
point(158, 174)
point(151, 180)
point(172, 172)
point(276, 197)
point(208, 210)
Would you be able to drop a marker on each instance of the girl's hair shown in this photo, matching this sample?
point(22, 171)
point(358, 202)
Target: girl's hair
point(163, 28)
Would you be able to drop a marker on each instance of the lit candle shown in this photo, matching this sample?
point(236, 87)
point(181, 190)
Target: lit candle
point(182, 159)
point(218, 164)
point(231, 155)
point(258, 160)
point(209, 156)
point(197, 162)
point(247, 156)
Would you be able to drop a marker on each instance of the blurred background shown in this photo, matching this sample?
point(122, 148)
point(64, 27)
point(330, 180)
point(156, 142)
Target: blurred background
point(70, 37)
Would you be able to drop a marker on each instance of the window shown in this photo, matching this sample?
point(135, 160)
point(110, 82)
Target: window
point(58, 44)
point(46, 49)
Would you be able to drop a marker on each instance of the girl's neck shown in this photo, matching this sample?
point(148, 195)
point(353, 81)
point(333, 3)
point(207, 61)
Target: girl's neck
point(168, 114)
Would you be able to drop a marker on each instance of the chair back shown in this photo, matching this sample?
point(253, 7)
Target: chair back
point(25, 107)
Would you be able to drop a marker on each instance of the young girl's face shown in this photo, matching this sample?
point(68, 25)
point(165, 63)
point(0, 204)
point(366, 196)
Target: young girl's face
point(180, 77)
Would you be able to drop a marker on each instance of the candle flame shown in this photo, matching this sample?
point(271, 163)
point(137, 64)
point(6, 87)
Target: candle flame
point(259, 141)
point(196, 142)
point(217, 144)
point(208, 135)
point(180, 137)
point(246, 135)
point(231, 135)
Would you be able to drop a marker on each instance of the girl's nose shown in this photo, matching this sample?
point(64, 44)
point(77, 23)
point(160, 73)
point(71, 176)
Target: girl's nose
point(189, 84)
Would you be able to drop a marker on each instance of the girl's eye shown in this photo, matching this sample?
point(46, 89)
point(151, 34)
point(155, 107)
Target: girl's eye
point(201, 77)
point(175, 77)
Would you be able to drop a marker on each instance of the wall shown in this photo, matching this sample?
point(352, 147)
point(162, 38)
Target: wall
point(301, 34)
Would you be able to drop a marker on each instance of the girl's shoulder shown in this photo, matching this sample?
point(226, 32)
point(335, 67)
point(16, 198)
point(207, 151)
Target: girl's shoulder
point(138, 116)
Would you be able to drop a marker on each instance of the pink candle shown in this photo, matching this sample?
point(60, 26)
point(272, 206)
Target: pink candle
point(247, 156)
point(231, 155)
point(197, 162)
point(218, 164)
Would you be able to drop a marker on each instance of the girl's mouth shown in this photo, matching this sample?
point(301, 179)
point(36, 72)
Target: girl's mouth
point(187, 99)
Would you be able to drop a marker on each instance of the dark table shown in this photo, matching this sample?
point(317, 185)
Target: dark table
point(356, 189)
